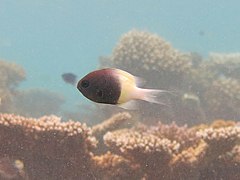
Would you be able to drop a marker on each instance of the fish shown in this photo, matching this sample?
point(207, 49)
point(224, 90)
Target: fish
point(69, 78)
point(117, 87)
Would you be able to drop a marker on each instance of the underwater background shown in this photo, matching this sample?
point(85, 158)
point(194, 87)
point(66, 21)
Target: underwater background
point(190, 48)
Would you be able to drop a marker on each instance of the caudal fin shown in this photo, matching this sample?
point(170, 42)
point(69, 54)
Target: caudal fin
point(156, 96)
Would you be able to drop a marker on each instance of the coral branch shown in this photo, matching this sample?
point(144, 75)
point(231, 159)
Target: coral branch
point(151, 152)
point(114, 122)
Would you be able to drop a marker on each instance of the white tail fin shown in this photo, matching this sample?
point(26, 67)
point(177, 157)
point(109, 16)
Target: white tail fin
point(152, 95)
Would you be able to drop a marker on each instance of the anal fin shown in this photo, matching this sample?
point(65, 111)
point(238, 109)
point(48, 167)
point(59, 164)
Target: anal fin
point(130, 105)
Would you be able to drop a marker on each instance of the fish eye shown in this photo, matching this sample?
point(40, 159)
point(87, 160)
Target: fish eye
point(99, 93)
point(85, 83)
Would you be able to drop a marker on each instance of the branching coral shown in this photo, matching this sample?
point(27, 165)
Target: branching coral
point(219, 140)
point(149, 56)
point(160, 157)
point(182, 134)
point(128, 142)
point(146, 51)
point(151, 152)
point(114, 122)
point(117, 121)
point(47, 147)
point(114, 167)
point(188, 163)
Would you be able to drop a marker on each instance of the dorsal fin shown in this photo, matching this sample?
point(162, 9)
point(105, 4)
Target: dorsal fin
point(138, 81)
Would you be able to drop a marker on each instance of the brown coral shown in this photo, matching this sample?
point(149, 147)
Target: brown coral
point(187, 164)
point(151, 152)
point(48, 148)
point(160, 157)
point(110, 166)
point(182, 134)
point(219, 140)
point(117, 121)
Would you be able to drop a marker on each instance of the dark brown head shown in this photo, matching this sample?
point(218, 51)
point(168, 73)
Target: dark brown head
point(101, 86)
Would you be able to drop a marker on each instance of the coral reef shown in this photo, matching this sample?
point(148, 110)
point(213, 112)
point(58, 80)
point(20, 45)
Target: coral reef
point(34, 102)
point(117, 121)
point(205, 88)
point(147, 54)
point(154, 53)
point(129, 146)
point(111, 166)
point(223, 98)
point(170, 154)
point(114, 122)
point(224, 64)
point(182, 134)
point(145, 149)
point(47, 148)
point(11, 75)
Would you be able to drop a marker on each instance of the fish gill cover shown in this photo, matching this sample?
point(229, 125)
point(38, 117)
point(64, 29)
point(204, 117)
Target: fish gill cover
point(139, 144)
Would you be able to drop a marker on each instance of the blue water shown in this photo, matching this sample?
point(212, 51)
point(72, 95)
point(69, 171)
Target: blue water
point(49, 38)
